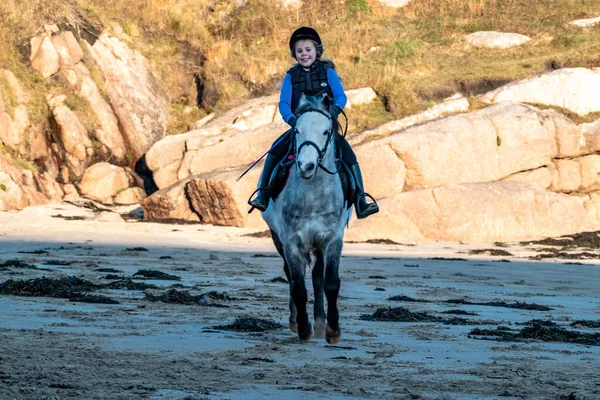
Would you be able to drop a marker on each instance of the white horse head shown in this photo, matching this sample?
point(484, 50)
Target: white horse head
point(315, 135)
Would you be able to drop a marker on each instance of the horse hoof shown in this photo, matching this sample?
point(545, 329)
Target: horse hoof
point(305, 335)
point(305, 339)
point(293, 327)
point(332, 336)
point(320, 329)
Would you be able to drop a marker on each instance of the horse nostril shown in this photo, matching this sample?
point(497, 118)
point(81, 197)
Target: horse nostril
point(310, 167)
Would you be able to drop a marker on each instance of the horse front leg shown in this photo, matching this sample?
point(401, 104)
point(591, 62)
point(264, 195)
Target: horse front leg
point(286, 269)
point(293, 313)
point(333, 253)
point(317, 280)
point(297, 262)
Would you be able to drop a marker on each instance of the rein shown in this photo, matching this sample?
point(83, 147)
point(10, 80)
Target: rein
point(321, 152)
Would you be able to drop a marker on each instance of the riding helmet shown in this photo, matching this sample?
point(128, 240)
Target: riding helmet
point(304, 33)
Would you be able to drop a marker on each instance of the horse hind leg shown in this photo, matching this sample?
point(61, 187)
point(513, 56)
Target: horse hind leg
point(286, 269)
point(317, 280)
point(332, 288)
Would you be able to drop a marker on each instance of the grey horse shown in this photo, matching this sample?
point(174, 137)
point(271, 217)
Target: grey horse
point(309, 217)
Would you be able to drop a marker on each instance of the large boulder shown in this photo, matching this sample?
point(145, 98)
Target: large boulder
point(575, 89)
point(44, 57)
point(108, 132)
point(482, 146)
point(13, 127)
point(170, 203)
point(136, 98)
point(487, 212)
point(103, 181)
point(72, 135)
point(21, 188)
point(68, 49)
point(452, 105)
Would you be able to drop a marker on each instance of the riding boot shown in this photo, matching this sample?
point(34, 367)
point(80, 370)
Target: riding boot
point(261, 201)
point(363, 208)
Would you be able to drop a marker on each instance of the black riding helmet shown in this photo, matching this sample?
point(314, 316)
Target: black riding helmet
point(304, 33)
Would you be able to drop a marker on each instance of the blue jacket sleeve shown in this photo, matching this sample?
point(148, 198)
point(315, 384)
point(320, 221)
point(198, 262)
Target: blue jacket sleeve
point(339, 97)
point(285, 99)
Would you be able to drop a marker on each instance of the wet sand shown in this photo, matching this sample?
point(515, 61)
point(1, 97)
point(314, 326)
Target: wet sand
point(62, 347)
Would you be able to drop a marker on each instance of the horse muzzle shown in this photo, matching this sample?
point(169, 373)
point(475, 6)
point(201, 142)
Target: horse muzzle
point(307, 169)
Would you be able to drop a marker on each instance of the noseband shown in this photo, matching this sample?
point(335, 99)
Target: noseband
point(321, 152)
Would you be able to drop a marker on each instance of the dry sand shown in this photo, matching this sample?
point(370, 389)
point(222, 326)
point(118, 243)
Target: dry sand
point(57, 348)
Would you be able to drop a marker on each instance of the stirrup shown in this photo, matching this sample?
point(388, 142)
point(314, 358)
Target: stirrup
point(372, 208)
point(253, 206)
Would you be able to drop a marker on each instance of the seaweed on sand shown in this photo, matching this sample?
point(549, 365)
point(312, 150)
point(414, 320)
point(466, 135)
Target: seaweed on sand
point(250, 324)
point(540, 330)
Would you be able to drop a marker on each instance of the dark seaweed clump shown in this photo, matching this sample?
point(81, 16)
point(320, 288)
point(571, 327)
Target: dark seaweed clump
point(583, 239)
point(262, 234)
point(173, 296)
point(518, 305)
point(71, 288)
point(250, 324)
point(93, 298)
point(47, 287)
point(57, 262)
point(459, 312)
point(405, 298)
point(153, 274)
point(586, 324)
point(16, 264)
point(540, 330)
point(400, 314)
point(128, 284)
point(490, 252)
point(447, 259)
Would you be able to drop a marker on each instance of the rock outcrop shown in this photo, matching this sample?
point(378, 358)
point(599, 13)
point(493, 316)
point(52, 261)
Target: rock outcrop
point(509, 171)
point(136, 98)
point(496, 40)
point(85, 126)
point(574, 89)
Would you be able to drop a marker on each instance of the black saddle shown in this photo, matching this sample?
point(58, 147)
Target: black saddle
point(281, 174)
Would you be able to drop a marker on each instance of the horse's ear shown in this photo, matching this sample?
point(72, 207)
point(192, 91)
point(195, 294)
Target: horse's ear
point(302, 100)
point(323, 101)
point(326, 101)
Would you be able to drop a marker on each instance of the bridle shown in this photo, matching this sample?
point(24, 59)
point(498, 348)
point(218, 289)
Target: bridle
point(291, 158)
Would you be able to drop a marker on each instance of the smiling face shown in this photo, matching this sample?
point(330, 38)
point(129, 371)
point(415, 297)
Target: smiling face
point(305, 52)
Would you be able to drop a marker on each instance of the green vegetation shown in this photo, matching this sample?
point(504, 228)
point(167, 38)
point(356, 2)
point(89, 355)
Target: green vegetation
point(413, 56)
point(3, 187)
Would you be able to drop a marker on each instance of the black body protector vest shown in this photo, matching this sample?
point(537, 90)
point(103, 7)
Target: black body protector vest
point(311, 82)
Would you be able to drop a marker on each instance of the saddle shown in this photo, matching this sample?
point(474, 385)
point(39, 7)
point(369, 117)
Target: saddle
point(281, 173)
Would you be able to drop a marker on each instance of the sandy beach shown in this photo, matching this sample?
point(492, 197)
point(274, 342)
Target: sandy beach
point(129, 310)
